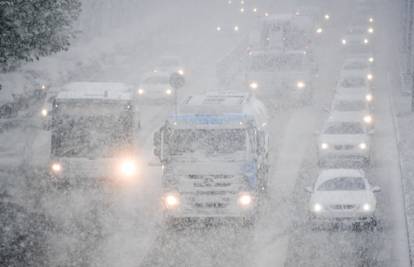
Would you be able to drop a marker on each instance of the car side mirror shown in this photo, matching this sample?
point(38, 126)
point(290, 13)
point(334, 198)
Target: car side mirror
point(309, 189)
point(376, 189)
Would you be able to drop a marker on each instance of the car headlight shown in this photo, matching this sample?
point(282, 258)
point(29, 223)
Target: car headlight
point(317, 207)
point(171, 200)
point(366, 41)
point(300, 84)
point(344, 41)
point(327, 16)
point(245, 199)
point(181, 72)
point(371, 20)
point(168, 91)
point(141, 91)
point(253, 85)
point(368, 119)
point(324, 146)
point(366, 207)
point(56, 167)
point(128, 168)
point(370, 30)
point(370, 77)
point(368, 97)
point(371, 59)
point(44, 112)
point(319, 30)
point(362, 146)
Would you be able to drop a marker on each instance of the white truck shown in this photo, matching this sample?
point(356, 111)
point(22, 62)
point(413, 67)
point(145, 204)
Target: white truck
point(92, 134)
point(214, 154)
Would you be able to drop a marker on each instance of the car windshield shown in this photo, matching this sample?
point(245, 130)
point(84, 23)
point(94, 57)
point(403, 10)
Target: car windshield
point(349, 105)
point(208, 141)
point(344, 128)
point(266, 62)
point(356, 65)
point(343, 184)
point(352, 82)
point(91, 130)
point(157, 80)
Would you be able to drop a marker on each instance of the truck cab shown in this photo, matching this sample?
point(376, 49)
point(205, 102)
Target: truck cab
point(214, 154)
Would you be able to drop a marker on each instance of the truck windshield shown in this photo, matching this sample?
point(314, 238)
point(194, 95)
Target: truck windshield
point(91, 129)
point(208, 141)
point(267, 62)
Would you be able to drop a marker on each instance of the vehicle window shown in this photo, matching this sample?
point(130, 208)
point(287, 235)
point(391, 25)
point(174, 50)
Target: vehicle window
point(343, 184)
point(351, 82)
point(349, 105)
point(344, 128)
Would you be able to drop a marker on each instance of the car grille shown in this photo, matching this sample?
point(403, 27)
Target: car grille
point(344, 147)
point(342, 207)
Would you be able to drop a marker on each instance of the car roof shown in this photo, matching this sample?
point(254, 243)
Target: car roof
point(329, 174)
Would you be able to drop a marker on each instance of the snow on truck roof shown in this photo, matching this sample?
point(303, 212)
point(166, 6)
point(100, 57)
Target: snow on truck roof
point(95, 90)
point(220, 108)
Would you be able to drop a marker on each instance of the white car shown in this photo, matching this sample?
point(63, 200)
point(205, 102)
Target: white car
point(343, 196)
point(170, 64)
point(356, 85)
point(352, 106)
point(358, 65)
point(155, 86)
point(345, 141)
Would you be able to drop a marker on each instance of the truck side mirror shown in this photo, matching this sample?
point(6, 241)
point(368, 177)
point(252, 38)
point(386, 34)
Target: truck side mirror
point(157, 143)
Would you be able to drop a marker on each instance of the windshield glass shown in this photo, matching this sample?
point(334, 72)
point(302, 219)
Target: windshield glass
point(351, 82)
point(344, 128)
point(266, 62)
point(209, 141)
point(91, 129)
point(343, 184)
point(157, 80)
point(356, 65)
point(349, 105)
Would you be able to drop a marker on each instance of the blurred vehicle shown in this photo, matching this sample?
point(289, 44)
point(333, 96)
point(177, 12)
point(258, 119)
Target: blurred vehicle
point(344, 140)
point(155, 86)
point(356, 85)
point(214, 156)
point(343, 196)
point(170, 64)
point(357, 66)
point(281, 74)
point(356, 40)
point(352, 106)
point(92, 134)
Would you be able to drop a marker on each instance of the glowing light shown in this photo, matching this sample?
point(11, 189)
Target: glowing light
point(368, 119)
point(366, 207)
point(317, 207)
point(56, 167)
point(245, 199)
point(324, 146)
point(44, 112)
point(327, 17)
point(168, 91)
point(363, 146)
point(236, 28)
point(141, 91)
point(181, 72)
point(218, 28)
point(254, 85)
point(300, 84)
point(171, 201)
point(368, 97)
point(128, 168)
point(370, 77)
point(319, 30)
point(366, 41)
point(343, 41)
point(370, 30)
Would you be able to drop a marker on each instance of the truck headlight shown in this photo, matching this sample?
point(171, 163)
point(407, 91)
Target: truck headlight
point(128, 168)
point(368, 119)
point(366, 41)
point(168, 91)
point(141, 91)
point(362, 146)
point(317, 208)
point(253, 85)
point(56, 167)
point(324, 146)
point(327, 16)
point(44, 112)
point(300, 84)
point(370, 30)
point(181, 72)
point(319, 30)
point(245, 199)
point(344, 41)
point(171, 200)
point(371, 20)
point(371, 59)
point(368, 97)
point(366, 207)
point(370, 77)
